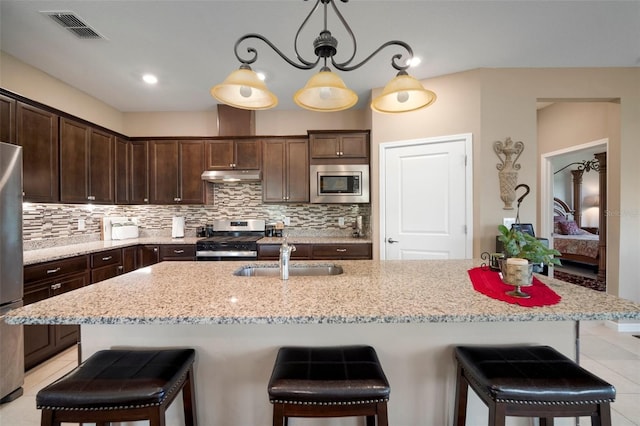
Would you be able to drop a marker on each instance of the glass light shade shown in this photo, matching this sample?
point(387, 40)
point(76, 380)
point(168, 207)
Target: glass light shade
point(243, 89)
point(403, 94)
point(325, 92)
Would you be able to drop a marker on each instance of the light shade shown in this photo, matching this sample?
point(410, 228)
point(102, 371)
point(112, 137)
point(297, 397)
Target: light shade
point(403, 94)
point(243, 89)
point(325, 92)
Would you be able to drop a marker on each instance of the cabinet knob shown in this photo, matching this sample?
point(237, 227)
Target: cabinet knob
point(56, 286)
point(341, 250)
point(91, 198)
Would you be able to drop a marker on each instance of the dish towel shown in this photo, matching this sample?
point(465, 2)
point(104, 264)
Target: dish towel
point(490, 284)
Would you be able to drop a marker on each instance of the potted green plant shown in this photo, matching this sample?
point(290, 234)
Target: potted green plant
point(520, 244)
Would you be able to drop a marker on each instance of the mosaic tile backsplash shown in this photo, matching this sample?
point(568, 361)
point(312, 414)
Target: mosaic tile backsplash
point(48, 225)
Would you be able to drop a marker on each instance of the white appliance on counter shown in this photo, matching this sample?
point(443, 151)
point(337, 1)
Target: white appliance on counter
point(119, 228)
point(177, 227)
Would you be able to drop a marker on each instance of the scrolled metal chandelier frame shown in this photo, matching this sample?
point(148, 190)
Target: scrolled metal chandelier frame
point(325, 91)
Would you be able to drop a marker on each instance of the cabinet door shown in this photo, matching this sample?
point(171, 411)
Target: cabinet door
point(248, 154)
point(178, 252)
point(355, 145)
point(74, 160)
point(139, 185)
point(7, 119)
point(298, 171)
point(123, 169)
point(163, 172)
point(220, 154)
point(101, 167)
point(129, 259)
point(324, 146)
point(192, 187)
point(342, 251)
point(272, 252)
point(37, 133)
point(274, 171)
point(148, 255)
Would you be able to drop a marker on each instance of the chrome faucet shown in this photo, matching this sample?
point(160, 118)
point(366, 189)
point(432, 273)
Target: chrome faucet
point(285, 255)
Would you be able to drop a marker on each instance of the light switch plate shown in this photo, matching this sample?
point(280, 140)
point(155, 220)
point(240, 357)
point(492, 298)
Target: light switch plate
point(341, 221)
point(508, 221)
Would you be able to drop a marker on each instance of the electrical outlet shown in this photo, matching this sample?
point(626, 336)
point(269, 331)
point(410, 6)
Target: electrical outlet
point(81, 225)
point(287, 220)
point(341, 221)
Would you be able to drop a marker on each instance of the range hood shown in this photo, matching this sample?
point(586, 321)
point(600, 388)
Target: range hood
point(232, 175)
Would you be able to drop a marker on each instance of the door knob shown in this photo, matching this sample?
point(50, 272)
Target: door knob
point(391, 241)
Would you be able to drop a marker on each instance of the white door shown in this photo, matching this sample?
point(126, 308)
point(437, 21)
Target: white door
point(426, 199)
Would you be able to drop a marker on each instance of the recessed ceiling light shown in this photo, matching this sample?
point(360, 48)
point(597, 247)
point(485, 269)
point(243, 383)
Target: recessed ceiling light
point(150, 79)
point(414, 62)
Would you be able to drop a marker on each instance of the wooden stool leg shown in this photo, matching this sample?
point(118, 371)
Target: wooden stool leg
point(371, 420)
point(278, 415)
point(497, 414)
point(604, 419)
point(189, 400)
point(546, 421)
point(46, 418)
point(383, 419)
point(157, 417)
point(460, 408)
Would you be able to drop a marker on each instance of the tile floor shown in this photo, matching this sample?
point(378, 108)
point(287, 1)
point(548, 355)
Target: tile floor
point(613, 356)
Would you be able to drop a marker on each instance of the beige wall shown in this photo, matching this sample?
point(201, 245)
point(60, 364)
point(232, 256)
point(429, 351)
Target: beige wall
point(491, 104)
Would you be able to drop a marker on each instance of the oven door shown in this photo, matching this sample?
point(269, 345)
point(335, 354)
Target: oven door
point(231, 255)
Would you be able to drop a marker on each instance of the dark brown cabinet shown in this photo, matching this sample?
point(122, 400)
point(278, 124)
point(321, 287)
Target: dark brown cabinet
point(342, 251)
point(123, 168)
point(177, 252)
point(37, 133)
point(349, 147)
point(175, 169)
point(86, 164)
point(148, 255)
point(7, 119)
point(105, 265)
point(241, 154)
point(272, 252)
point(285, 166)
point(42, 281)
point(139, 177)
point(129, 259)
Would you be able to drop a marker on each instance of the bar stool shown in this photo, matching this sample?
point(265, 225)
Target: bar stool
point(339, 381)
point(120, 386)
point(529, 381)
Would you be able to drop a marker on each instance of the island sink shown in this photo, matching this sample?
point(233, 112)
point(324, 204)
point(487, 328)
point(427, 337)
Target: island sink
point(294, 270)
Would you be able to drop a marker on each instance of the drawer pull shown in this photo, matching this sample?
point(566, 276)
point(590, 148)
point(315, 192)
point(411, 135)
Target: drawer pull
point(107, 258)
point(56, 286)
point(178, 251)
point(341, 250)
point(53, 271)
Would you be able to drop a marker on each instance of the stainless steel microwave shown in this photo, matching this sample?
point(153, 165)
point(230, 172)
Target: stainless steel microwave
point(343, 183)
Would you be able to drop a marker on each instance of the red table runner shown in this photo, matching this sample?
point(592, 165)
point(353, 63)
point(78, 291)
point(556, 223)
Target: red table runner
point(490, 284)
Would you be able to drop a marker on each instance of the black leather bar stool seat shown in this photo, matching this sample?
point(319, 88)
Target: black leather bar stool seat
point(530, 381)
point(122, 385)
point(339, 381)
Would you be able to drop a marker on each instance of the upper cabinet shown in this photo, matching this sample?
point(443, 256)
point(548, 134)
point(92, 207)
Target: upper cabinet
point(132, 172)
point(87, 168)
point(175, 169)
point(349, 147)
point(229, 154)
point(37, 133)
point(285, 171)
point(7, 119)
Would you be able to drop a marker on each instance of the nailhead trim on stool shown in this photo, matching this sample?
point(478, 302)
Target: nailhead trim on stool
point(122, 385)
point(529, 381)
point(337, 381)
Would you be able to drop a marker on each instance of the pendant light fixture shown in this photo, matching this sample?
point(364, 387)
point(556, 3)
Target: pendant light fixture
point(325, 91)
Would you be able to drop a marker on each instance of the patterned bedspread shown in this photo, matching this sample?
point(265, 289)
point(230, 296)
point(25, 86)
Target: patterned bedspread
point(585, 245)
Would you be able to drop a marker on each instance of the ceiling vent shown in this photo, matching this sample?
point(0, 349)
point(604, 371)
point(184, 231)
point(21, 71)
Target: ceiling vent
point(73, 23)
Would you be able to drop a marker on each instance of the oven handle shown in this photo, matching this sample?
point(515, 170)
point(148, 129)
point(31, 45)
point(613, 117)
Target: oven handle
point(216, 253)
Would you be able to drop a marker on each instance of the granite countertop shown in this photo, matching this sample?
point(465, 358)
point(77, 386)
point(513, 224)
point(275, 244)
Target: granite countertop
point(31, 257)
point(369, 291)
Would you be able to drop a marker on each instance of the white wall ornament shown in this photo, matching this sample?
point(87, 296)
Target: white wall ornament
point(508, 153)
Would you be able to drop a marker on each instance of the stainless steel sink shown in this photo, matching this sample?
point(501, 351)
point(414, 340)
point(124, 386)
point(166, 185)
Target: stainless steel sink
point(294, 270)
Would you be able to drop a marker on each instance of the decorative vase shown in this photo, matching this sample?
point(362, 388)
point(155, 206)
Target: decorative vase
point(508, 154)
point(518, 273)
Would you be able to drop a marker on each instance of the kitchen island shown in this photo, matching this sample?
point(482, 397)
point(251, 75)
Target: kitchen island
point(412, 312)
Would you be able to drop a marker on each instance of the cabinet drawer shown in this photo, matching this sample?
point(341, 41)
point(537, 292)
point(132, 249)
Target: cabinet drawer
point(53, 287)
point(104, 258)
point(272, 252)
point(54, 269)
point(178, 252)
point(104, 273)
point(342, 251)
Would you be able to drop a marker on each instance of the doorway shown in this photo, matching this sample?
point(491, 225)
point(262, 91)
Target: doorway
point(426, 198)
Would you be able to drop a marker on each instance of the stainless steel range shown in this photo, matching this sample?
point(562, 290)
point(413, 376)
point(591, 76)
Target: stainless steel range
point(232, 239)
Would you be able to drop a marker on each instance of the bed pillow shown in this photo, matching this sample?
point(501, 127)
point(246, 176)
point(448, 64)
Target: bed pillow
point(569, 227)
point(556, 224)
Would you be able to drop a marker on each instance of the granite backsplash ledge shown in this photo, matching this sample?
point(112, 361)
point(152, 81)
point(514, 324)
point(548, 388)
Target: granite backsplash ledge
point(49, 225)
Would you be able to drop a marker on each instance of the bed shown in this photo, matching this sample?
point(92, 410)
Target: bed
point(575, 244)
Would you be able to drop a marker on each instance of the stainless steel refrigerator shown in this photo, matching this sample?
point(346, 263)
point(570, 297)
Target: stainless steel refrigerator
point(11, 271)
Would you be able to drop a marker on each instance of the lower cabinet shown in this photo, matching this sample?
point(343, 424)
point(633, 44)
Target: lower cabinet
point(148, 255)
point(178, 252)
point(105, 265)
point(43, 281)
point(318, 251)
